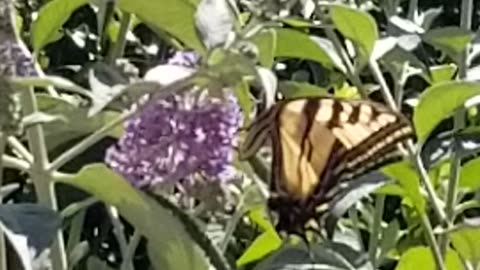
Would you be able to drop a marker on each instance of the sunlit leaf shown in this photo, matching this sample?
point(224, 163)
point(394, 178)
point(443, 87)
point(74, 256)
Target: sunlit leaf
point(465, 241)
point(439, 102)
point(441, 73)
point(407, 178)
point(295, 44)
point(421, 258)
point(175, 17)
point(356, 25)
point(50, 20)
point(261, 246)
point(469, 175)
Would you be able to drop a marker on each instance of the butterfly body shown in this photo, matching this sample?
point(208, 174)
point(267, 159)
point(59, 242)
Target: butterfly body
point(318, 144)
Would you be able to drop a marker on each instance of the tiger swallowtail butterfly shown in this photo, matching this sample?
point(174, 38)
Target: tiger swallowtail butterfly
point(318, 144)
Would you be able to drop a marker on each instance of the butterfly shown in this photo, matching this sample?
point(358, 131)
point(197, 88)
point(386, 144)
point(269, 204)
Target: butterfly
point(318, 144)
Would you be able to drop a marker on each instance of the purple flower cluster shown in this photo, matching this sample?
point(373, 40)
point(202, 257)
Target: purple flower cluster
point(14, 61)
point(178, 137)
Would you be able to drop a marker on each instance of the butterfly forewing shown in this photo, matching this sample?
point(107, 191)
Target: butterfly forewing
point(299, 161)
point(319, 142)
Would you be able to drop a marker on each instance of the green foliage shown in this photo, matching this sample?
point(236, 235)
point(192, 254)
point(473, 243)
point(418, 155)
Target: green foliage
point(51, 17)
point(265, 243)
point(439, 102)
point(426, 65)
point(451, 40)
point(172, 16)
point(168, 241)
point(421, 257)
point(464, 241)
point(407, 178)
point(357, 26)
point(469, 175)
point(76, 123)
point(287, 46)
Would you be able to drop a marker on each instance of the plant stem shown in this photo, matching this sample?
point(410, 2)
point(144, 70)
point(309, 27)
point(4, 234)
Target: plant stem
point(425, 179)
point(414, 157)
point(87, 142)
point(346, 61)
point(458, 124)
point(427, 227)
point(15, 144)
point(389, 99)
point(3, 257)
point(76, 207)
point(376, 227)
point(75, 233)
point(15, 163)
point(119, 234)
point(353, 216)
point(231, 225)
point(119, 46)
point(420, 170)
point(466, 206)
point(412, 9)
point(130, 252)
point(41, 177)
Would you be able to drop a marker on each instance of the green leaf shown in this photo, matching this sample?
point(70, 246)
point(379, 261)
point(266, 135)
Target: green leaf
point(113, 28)
point(469, 175)
point(465, 241)
point(292, 89)
point(452, 40)
point(295, 44)
point(407, 178)
point(356, 25)
point(440, 101)
point(77, 122)
point(266, 43)
point(257, 215)
point(389, 238)
point(441, 73)
point(261, 246)
point(391, 189)
point(50, 20)
point(346, 91)
point(228, 68)
point(421, 258)
point(173, 16)
point(242, 92)
point(169, 243)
